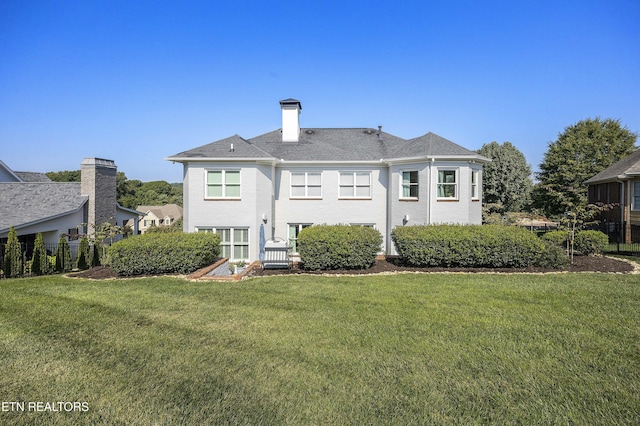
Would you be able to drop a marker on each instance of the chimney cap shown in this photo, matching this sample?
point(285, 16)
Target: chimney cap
point(290, 102)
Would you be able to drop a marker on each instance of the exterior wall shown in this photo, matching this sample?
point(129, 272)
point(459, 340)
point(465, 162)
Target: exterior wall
point(247, 212)
point(52, 229)
point(461, 210)
point(330, 209)
point(266, 193)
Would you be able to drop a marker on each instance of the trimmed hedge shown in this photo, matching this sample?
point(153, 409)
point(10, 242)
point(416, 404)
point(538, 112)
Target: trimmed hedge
point(475, 246)
point(558, 237)
point(164, 253)
point(590, 242)
point(329, 247)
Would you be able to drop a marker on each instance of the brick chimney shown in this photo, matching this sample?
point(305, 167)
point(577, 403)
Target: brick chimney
point(98, 182)
point(290, 120)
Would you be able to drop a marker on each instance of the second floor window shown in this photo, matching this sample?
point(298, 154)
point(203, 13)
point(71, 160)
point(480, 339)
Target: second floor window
point(306, 185)
point(355, 185)
point(223, 184)
point(409, 184)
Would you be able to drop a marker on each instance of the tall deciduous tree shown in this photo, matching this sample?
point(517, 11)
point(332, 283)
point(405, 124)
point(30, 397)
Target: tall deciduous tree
point(506, 181)
point(580, 152)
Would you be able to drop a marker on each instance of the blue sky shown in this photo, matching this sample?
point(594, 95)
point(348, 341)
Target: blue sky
point(137, 81)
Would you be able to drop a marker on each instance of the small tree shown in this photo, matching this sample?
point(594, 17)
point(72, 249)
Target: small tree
point(83, 253)
point(12, 255)
point(40, 261)
point(63, 255)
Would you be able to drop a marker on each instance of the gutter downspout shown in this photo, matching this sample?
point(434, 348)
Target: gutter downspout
point(429, 185)
point(388, 242)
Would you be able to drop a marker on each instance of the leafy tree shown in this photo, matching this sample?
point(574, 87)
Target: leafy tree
point(40, 261)
point(12, 255)
point(506, 181)
point(64, 176)
point(580, 152)
point(63, 255)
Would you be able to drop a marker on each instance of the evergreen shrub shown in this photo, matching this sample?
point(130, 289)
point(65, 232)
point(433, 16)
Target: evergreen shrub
point(164, 253)
point(590, 242)
point(330, 247)
point(558, 237)
point(475, 246)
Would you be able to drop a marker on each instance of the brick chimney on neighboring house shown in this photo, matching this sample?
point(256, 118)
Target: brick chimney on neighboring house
point(290, 120)
point(98, 182)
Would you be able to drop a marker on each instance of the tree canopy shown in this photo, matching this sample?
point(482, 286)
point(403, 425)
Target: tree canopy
point(132, 193)
point(583, 150)
point(506, 181)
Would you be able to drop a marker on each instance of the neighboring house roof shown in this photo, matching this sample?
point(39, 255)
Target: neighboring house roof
point(173, 211)
point(8, 175)
point(329, 144)
point(626, 168)
point(26, 203)
point(33, 177)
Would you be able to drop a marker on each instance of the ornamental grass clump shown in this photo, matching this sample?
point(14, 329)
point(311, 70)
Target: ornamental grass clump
point(475, 246)
point(330, 247)
point(150, 254)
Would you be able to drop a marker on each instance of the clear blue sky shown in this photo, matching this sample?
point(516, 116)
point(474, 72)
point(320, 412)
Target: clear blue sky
point(137, 81)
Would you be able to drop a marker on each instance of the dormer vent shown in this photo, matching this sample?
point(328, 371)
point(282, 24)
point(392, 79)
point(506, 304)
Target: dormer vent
point(290, 120)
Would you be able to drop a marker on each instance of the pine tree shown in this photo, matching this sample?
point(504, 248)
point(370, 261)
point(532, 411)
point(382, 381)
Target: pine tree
point(12, 255)
point(63, 255)
point(83, 253)
point(40, 260)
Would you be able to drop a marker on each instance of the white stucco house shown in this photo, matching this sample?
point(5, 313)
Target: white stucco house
point(295, 177)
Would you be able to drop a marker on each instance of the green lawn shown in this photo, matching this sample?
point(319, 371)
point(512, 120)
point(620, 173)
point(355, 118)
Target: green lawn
point(395, 349)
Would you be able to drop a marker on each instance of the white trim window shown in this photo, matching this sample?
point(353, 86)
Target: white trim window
point(475, 184)
point(306, 185)
point(234, 242)
point(636, 196)
point(355, 185)
point(223, 184)
point(409, 185)
point(294, 230)
point(448, 184)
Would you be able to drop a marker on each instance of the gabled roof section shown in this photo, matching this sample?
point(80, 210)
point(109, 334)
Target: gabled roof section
point(431, 145)
point(8, 175)
point(27, 203)
point(173, 211)
point(233, 147)
point(626, 168)
point(33, 177)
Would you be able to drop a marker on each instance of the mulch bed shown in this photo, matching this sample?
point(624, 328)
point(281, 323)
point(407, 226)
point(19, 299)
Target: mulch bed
point(580, 264)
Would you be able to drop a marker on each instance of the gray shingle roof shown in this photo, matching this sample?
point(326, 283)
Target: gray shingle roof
point(24, 202)
point(32, 176)
point(328, 144)
point(625, 168)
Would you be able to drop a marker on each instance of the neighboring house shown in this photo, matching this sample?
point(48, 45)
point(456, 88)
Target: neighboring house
point(31, 203)
point(158, 216)
point(295, 177)
point(618, 188)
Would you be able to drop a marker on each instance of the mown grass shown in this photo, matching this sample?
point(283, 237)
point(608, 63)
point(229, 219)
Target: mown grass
point(396, 349)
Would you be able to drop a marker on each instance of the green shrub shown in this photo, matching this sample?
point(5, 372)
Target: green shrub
point(557, 238)
point(164, 253)
point(590, 242)
point(488, 246)
point(327, 247)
